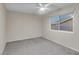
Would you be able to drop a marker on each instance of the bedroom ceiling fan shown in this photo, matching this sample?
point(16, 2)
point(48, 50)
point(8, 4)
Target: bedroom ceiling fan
point(43, 7)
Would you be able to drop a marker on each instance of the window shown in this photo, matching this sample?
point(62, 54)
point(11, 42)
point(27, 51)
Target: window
point(62, 22)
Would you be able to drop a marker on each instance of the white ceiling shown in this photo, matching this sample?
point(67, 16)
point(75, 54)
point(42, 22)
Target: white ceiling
point(32, 7)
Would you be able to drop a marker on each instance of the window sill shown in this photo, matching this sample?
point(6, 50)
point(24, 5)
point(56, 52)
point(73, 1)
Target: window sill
point(62, 31)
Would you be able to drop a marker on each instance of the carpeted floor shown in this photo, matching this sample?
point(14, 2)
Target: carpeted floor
point(36, 46)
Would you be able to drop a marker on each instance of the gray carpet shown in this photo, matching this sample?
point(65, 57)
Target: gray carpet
point(36, 46)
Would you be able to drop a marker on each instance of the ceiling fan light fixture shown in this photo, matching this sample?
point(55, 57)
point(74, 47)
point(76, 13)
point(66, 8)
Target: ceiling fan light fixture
point(43, 9)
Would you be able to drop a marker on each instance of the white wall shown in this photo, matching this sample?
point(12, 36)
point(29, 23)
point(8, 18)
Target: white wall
point(70, 40)
point(22, 26)
point(2, 28)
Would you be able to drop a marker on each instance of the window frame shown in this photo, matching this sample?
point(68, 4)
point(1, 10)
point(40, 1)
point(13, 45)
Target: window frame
point(61, 30)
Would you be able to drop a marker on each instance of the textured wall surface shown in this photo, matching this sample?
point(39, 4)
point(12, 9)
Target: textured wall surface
point(2, 28)
point(22, 26)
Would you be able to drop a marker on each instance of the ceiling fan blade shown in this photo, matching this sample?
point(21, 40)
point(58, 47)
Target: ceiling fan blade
point(48, 4)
